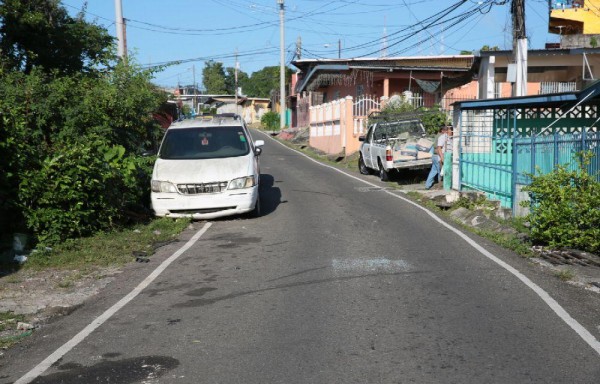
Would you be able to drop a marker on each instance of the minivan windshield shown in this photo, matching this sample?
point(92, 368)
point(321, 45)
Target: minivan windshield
point(204, 143)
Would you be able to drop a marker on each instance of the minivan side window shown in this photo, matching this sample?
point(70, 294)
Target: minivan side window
point(204, 143)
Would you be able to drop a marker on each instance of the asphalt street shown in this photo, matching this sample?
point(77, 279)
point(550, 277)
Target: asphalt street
point(336, 282)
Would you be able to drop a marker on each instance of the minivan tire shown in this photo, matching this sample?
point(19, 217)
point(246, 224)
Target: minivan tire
point(256, 211)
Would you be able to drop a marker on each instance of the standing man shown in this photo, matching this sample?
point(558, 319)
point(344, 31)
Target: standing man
point(448, 159)
point(437, 160)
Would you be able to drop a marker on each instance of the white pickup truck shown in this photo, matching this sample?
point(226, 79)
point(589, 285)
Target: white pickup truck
point(394, 145)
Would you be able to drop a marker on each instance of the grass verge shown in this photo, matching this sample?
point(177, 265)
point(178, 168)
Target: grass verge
point(505, 240)
point(108, 249)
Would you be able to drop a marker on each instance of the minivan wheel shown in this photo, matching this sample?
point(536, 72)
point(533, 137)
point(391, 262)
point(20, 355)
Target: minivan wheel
point(362, 168)
point(256, 211)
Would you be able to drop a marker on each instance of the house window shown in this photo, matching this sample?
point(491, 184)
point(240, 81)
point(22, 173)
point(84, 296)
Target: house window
point(336, 95)
point(497, 90)
point(317, 98)
point(360, 90)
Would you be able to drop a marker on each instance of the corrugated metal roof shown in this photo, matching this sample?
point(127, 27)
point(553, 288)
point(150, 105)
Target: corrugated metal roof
point(462, 63)
point(455, 61)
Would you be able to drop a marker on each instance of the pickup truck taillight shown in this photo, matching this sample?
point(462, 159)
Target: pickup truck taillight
point(388, 154)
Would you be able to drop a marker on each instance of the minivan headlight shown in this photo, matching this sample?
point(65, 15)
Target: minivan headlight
point(242, 182)
point(163, 186)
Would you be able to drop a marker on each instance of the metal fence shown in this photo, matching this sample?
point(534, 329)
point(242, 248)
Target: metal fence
point(557, 87)
point(499, 149)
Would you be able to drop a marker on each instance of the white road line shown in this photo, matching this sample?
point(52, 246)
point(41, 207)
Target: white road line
point(60, 352)
point(553, 304)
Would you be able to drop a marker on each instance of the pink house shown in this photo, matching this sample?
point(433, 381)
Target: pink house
point(321, 86)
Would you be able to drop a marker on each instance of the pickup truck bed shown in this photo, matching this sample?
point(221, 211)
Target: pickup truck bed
point(390, 146)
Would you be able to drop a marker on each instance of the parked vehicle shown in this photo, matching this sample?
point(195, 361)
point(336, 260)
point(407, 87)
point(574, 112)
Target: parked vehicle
point(207, 168)
point(394, 143)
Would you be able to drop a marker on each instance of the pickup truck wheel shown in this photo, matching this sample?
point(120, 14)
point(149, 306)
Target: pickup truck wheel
point(362, 168)
point(383, 174)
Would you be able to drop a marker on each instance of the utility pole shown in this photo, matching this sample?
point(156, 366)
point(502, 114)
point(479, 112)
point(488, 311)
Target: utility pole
point(194, 98)
point(125, 39)
point(384, 42)
point(299, 48)
point(236, 81)
point(119, 25)
point(281, 66)
point(519, 47)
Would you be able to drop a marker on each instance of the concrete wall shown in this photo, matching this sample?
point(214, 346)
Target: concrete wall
point(332, 128)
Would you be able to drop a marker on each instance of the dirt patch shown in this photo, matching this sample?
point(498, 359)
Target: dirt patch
point(43, 295)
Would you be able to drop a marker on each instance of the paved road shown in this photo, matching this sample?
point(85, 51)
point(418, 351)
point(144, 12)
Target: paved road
point(335, 283)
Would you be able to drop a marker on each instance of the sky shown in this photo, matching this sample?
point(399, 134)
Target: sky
point(190, 32)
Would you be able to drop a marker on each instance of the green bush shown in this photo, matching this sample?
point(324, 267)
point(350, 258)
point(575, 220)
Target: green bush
point(82, 188)
point(564, 207)
point(270, 120)
point(432, 118)
point(107, 121)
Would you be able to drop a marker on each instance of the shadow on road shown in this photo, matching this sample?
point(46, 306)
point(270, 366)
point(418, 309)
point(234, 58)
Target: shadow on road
point(270, 196)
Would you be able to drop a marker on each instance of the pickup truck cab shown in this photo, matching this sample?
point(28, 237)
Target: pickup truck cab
point(392, 145)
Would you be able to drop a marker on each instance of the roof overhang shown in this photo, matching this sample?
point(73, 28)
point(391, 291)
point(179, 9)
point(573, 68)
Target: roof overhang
point(566, 99)
point(460, 63)
point(325, 67)
point(543, 52)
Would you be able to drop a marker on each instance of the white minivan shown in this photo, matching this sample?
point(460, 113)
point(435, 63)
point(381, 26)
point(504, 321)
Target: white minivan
point(207, 168)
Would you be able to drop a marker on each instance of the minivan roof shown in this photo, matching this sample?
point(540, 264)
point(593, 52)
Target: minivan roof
point(209, 121)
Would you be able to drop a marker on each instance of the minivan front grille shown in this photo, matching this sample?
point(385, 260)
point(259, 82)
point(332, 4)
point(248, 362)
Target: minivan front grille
point(197, 189)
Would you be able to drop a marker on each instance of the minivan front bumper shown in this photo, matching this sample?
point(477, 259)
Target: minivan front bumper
point(205, 206)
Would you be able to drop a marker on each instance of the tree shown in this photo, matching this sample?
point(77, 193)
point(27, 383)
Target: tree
point(488, 48)
point(40, 33)
point(263, 81)
point(74, 141)
point(213, 78)
point(230, 80)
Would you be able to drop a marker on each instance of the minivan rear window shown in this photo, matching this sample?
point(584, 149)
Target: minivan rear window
point(204, 143)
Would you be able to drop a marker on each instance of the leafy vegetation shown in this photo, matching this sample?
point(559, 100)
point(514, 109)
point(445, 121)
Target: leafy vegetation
point(213, 78)
point(432, 118)
point(73, 123)
point(41, 34)
point(564, 207)
point(220, 80)
point(270, 120)
point(262, 82)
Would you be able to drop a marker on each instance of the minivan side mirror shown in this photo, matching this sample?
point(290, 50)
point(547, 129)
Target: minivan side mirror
point(362, 138)
point(258, 146)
